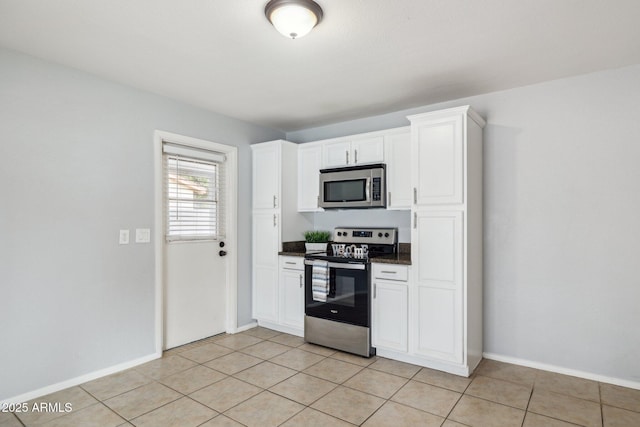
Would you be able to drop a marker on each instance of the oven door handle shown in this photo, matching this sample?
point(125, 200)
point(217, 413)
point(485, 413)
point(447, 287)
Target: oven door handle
point(341, 265)
point(347, 266)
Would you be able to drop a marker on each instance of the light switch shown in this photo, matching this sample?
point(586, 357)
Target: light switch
point(143, 235)
point(124, 237)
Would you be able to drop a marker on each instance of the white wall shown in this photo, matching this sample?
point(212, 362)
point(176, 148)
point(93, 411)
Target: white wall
point(76, 165)
point(562, 219)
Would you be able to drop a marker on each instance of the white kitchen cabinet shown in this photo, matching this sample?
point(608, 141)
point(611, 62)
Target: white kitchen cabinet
point(438, 159)
point(397, 154)
point(446, 240)
point(266, 175)
point(438, 276)
point(292, 295)
point(265, 240)
point(275, 219)
point(353, 151)
point(368, 150)
point(389, 319)
point(336, 154)
point(309, 165)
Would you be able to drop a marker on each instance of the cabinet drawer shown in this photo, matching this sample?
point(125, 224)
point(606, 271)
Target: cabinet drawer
point(292, 262)
point(391, 272)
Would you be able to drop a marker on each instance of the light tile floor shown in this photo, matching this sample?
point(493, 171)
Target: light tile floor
point(263, 378)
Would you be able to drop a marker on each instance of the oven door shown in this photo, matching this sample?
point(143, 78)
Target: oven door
point(348, 298)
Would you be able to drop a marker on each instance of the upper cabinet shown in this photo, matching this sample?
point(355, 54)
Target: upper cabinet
point(353, 151)
point(397, 154)
point(438, 159)
point(309, 165)
point(266, 175)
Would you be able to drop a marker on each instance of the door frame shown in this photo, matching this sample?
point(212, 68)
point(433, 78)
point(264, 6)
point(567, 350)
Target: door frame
point(231, 304)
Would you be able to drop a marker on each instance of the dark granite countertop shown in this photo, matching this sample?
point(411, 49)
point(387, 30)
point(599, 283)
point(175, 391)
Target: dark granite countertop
point(287, 253)
point(403, 257)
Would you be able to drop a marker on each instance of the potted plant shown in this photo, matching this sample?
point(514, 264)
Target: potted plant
point(316, 241)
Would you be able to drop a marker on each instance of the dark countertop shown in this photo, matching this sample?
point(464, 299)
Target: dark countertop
point(287, 253)
point(401, 258)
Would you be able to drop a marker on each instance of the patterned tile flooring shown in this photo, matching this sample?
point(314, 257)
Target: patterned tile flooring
point(264, 378)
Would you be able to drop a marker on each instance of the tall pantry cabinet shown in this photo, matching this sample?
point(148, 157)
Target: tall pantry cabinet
point(274, 202)
point(446, 237)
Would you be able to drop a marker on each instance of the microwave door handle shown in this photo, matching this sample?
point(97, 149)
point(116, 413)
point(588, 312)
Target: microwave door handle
point(367, 190)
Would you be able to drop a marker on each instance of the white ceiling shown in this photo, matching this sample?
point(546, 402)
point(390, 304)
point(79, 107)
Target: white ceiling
point(366, 57)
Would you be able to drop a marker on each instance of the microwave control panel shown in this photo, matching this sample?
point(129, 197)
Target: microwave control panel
point(376, 191)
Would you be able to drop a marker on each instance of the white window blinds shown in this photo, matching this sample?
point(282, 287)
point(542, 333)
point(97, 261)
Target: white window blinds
point(194, 183)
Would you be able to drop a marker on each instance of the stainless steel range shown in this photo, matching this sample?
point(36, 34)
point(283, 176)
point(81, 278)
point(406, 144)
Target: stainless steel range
point(338, 288)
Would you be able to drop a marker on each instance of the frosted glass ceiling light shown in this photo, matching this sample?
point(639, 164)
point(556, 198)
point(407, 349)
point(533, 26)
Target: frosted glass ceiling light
point(293, 18)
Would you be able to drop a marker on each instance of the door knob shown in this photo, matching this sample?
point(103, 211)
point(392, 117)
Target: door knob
point(222, 253)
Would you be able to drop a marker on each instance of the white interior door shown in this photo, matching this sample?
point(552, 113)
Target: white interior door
point(195, 267)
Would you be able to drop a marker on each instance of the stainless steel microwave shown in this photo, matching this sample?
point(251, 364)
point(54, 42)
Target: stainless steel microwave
point(353, 187)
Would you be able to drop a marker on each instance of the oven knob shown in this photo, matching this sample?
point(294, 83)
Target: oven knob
point(339, 233)
point(379, 234)
point(386, 234)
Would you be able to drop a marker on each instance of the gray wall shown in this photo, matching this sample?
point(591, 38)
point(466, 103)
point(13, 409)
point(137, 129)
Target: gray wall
point(76, 166)
point(562, 196)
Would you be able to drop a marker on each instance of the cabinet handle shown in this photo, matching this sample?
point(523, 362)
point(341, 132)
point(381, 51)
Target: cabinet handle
point(389, 272)
point(415, 196)
point(374, 290)
point(274, 200)
point(355, 160)
point(389, 201)
point(301, 280)
point(347, 153)
point(290, 263)
point(415, 220)
point(274, 220)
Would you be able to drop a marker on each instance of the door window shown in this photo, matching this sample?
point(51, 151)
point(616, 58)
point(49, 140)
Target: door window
point(194, 198)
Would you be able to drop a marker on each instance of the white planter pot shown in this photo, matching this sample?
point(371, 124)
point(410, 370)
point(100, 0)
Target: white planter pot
point(315, 247)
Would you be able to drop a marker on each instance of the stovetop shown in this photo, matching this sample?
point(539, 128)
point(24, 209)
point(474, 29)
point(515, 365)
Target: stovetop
point(359, 245)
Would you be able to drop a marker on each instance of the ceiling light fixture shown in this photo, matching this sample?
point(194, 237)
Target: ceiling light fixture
point(293, 18)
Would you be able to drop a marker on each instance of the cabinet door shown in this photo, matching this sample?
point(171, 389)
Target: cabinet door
point(335, 154)
point(266, 232)
point(437, 154)
point(368, 150)
point(309, 161)
point(397, 153)
point(266, 176)
point(390, 314)
point(438, 275)
point(292, 298)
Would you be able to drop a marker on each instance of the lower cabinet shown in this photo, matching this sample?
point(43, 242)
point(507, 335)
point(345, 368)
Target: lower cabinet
point(292, 293)
point(390, 307)
point(281, 306)
point(420, 321)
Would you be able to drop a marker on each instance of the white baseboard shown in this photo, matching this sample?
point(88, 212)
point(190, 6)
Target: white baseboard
point(80, 380)
point(243, 328)
point(282, 328)
point(561, 370)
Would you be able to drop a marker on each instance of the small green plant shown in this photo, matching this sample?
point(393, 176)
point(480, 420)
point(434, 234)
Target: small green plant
point(317, 236)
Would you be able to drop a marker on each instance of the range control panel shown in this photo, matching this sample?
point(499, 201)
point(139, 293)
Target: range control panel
point(384, 236)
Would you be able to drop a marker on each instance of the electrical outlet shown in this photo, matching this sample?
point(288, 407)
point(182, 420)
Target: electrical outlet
point(124, 237)
point(143, 235)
